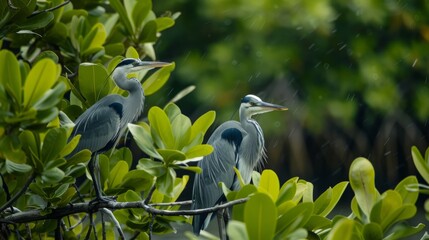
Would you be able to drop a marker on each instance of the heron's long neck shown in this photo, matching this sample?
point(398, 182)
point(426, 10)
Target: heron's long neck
point(253, 144)
point(135, 100)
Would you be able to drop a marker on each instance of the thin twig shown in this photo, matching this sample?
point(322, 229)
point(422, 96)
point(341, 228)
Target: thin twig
point(88, 233)
point(6, 189)
point(115, 221)
point(36, 215)
point(187, 202)
point(149, 195)
point(103, 225)
point(151, 225)
point(18, 194)
point(49, 9)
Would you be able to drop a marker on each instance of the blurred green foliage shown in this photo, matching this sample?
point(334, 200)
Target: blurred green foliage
point(353, 73)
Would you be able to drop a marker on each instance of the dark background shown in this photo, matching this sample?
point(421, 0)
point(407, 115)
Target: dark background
point(354, 75)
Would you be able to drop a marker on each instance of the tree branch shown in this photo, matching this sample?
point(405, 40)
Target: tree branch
point(49, 9)
point(57, 213)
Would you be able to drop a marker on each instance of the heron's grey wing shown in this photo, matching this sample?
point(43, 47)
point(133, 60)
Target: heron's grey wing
point(99, 125)
point(217, 167)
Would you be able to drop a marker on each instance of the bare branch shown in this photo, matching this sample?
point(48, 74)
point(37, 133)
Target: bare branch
point(188, 202)
point(115, 222)
point(57, 213)
point(49, 9)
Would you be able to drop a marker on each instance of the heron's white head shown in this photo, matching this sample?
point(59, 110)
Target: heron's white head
point(252, 105)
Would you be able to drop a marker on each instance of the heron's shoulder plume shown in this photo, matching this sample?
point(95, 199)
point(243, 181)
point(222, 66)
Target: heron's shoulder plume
point(232, 135)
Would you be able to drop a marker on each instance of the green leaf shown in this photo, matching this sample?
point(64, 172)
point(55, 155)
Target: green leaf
point(171, 155)
point(10, 76)
point(163, 23)
point(194, 169)
point(47, 54)
point(139, 180)
point(317, 222)
point(39, 21)
point(181, 126)
point(52, 175)
point(421, 164)
point(117, 174)
point(269, 184)
point(294, 218)
point(388, 204)
point(334, 196)
point(140, 11)
point(361, 177)
point(54, 142)
point(60, 190)
point(287, 192)
point(403, 231)
point(160, 127)
point(238, 210)
point(357, 211)
point(123, 153)
point(57, 162)
point(236, 230)
point(131, 53)
point(165, 182)
point(51, 97)
point(123, 16)
point(343, 230)
point(67, 197)
point(408, 196)
point(148, 34)
point(372, 231)
point(199, 151)
point(260, 217)
point(94, 82)
point(94, 39)
point(157, 79)
point(256, 178)
point(172, 111)
point(202, 124)
point(41, 77)
point(12, 167)
point(143, 140)
point(179, 186)
point(155, 169)
point(80, 157)
point(70, 146)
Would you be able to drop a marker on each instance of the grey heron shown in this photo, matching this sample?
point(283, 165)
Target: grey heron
point(236, 144)
point(101, 125)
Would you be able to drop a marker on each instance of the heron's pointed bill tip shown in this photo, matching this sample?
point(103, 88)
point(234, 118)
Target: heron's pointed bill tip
point(273, 107)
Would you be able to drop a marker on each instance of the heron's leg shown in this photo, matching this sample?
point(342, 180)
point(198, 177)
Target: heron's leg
point(94, 170)
point(221, 224)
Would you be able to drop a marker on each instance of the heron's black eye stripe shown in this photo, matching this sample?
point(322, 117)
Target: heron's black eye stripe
point(126, 61)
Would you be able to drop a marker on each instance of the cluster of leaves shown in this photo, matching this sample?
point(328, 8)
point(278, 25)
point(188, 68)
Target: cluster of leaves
point(290, 212)
point(64, 61)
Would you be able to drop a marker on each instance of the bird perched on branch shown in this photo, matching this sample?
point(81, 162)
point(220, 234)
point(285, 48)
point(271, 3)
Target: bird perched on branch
point(236, 144)
point(101, 125)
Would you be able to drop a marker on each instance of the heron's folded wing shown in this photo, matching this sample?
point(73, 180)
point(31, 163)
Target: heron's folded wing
point(98, 129)
point(217, 167)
